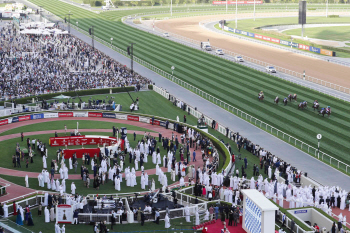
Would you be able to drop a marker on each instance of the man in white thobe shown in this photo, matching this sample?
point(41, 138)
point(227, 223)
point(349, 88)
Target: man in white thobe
point(73, 187)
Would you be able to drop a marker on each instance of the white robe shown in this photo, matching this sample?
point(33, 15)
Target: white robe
point(70, 163)
point(47, 215)
point(73, 187)
point(143, 182)
point(44, 162)
point(6, 211)
point(187, 214)
point(197, 219)
point(26, 181)
point(117, 184)
point(167, 221)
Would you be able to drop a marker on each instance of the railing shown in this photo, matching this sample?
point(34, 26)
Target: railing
point(274, 131)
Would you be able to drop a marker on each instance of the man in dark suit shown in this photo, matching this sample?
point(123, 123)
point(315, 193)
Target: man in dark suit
point(113, 131)
point(160, 137)
point(134, 136)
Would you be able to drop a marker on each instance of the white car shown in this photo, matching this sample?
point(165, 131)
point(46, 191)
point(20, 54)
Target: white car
point(219, 52)
point(239, 59)
point(166, 34)
point(270, 69)
point(207, 47)
point(129, 17)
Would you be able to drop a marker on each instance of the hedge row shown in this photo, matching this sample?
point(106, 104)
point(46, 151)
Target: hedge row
point(73, 93)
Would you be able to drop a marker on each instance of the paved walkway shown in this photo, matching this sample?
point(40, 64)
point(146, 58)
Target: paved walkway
point(316, 169)
point(17, 190)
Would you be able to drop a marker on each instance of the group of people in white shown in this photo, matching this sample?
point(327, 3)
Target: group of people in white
point(52, 63)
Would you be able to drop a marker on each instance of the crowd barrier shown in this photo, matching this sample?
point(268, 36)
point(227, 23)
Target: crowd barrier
point(281, 42)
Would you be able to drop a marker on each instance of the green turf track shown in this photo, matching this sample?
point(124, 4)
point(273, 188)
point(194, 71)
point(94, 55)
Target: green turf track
point(233, 83)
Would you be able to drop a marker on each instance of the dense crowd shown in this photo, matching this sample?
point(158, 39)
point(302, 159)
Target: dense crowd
point(31, 65)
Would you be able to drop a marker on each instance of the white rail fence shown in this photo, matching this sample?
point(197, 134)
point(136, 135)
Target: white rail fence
point(326, 158)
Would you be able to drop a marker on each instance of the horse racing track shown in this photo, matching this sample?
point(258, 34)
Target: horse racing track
point(235, 84)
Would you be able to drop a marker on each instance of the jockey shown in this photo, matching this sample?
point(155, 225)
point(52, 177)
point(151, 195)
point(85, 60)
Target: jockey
point(315, 103)
point(285, 99)
point(328, 109)
point(304, 102)
point(276, 98)
point(261, 93)
point(295, 95)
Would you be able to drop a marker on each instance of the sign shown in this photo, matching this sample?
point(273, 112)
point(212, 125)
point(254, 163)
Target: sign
point(304, 47)
point(81, 140)
point(145, 120)
point(95, 114)
point(24, 118)
point(108, 115)
point(156, 122)
point(64, 214)
point(37, 116)
point(4, 122)
point(65, 114)
point(14, 120)
point(162, 123)
point(80, 114)
point(327, 52)
point(133, 118)
point(51, 115)
point(319, 136)
point(300, 211)
point(234, 2)
point(68, 153)
point(121, 117)
point(315, 50)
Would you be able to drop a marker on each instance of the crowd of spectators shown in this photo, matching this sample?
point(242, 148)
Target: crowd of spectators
point(32, 65)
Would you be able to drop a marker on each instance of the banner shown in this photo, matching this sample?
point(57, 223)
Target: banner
point(14, 120)
point(327, 52)
point(121, 116)
point(133, 118)
point(24, 118)
point(64, 214)
point(51, 115)
point(145, 120)
point(65, 114)
point(95, 114)
point(108, 115)
point(81, 140)
point(4, 122)
point(156, 122)
point(315, 50)
point(304, 47)
point(234, 2)
point(68, 153)
point(80, 114)
point(162, 123)
point(37, 116)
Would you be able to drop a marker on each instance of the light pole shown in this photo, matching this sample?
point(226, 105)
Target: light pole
point(172, 70)
point(111, 41)
point(326, 8)
point(77, 23)
point(291, 43)
point(236, 13)
point(226, 6)
point(254, 10)
point(304, 74)
point(171, 8)
point(319, 136)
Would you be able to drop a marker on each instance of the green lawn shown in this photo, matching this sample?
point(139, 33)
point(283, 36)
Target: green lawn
point(71, 125)
point(236, 84)
point(40, 225)
point(107, 188)
point(338, 33)
point(8, 149)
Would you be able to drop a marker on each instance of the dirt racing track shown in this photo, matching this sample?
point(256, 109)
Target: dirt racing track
point(189, 27)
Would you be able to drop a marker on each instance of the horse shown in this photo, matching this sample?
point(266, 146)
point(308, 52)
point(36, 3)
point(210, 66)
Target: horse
point(285, 101)
point(261, 97)
point(315, 106)
point(324, 111)
point(302, 105)
point(277, 100)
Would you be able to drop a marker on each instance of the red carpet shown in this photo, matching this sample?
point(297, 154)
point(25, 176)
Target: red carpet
point(216, 227)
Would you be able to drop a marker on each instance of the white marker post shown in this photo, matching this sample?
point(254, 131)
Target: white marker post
point(236, 12)
point(319, 136)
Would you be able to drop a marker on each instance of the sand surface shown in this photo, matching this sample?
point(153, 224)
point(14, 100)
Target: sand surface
point(189, 27)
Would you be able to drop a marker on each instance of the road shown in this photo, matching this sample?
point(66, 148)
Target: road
point(317, 170)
